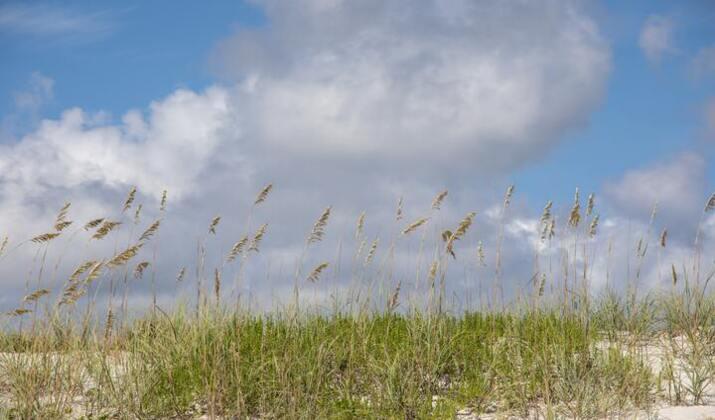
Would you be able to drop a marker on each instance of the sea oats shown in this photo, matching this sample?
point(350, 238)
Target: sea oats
point(508, 195)
point(124, 256)
point(552, 228)
point(61, 221)
point(545, 219)
point(150, 231)
point(319, 227)
point(414, 226)
point(62, 214)
point(62, 225)
point(258, 237)
point(393, 302)
point(81, 269)
point(263, 194)
point(360, 225)
point(3, 245)
point(437, 202)
point(460, 232)
point(137, 213)
point(361, 248)
point(236, 249)
point(94, 272)
point(139, 269)
point(71, 294)
point(108, 324)
point(217, 284)
point(710, 205)
point(674, 274)
point(575, 214)
point(594, 226)
point(106, 227)
point(162, 204)
point(181, 274)
point(446, 234)
point(542, 284)
point(590, 204)
point(663, 237)
point(93, 223)
point(36, 295)
point(432, 274)
point(214, 223)
point(130, 199)
point(45, 237)
point(372, 251)
point(315, 274)
point(19, 312)
point(642, 248)
point(546, 213)
point(398, 212)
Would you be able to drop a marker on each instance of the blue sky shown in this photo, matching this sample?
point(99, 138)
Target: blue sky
point(135, 52)
point(355, 104)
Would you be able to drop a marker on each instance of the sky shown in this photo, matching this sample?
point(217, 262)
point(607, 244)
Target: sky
point(353, 105)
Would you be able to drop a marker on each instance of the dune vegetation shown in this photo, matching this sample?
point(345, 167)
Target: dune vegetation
point(559, 348)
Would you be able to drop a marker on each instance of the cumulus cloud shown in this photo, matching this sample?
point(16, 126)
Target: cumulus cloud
point(455, 84)
point(168, 149)
point(676, 186)
point(352, 104)
point(656, 37)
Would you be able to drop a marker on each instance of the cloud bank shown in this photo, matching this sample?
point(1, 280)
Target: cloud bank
point(349, 80)
point(349, 104)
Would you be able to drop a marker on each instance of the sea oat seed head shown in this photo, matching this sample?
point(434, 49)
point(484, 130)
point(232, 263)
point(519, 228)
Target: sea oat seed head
point(150, 231)
point(257, 237)
point(437, 202)
point(315, 274)
point(139, 269)
point(214, 223)
point(236, 249)
point(263, 194)
point(319, 227)
point(414, 225)
point(710, 205)
point(130, 199)
point(360, 225)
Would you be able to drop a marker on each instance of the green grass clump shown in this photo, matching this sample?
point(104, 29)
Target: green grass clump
point(338, 366)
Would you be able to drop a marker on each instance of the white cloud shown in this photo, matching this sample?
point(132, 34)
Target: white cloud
point(350, 104)
point(47, 20)
point(355, 80)
point(168, 150)
point(656, 37)
point(39, 92)
point(28, 106)
point(676, 186)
